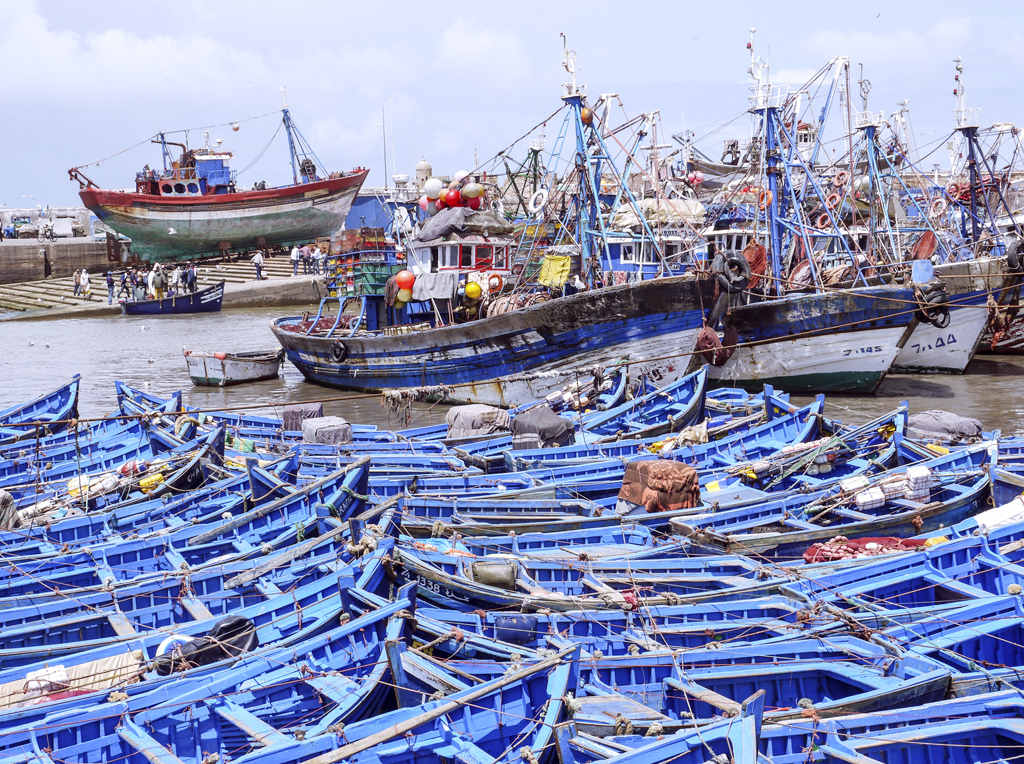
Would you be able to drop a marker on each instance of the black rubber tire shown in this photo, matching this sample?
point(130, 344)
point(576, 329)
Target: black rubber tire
point(718, 310)
point(940, 318)
point(338, 351)
point(737, 273)
point(1014, 261)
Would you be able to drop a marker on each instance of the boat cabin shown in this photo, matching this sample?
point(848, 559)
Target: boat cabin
point(199, 172)
point(462, 254)
point(732, 241)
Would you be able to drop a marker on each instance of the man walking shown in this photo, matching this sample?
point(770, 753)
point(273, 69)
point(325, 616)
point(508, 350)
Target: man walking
point(110, 287)
point(257, 260)
point(295, 260)
point(126, 283)
point(78, 282)
point(305, 253)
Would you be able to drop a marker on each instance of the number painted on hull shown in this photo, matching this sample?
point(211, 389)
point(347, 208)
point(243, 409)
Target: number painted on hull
point(939, 343)
point(862, 351)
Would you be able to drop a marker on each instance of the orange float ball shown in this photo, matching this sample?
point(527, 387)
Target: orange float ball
point(405, 279)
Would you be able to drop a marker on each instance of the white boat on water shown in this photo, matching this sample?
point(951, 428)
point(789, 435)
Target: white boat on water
point(212, 369)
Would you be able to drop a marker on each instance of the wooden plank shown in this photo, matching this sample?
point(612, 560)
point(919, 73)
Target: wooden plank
point(195, 608)
point(400, 728)
point(121, 625)
point(249, 723)
point(295, 552)
point(255, 514)
point(147, 746)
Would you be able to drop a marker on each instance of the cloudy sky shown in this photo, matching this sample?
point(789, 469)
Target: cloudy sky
point(84, 80)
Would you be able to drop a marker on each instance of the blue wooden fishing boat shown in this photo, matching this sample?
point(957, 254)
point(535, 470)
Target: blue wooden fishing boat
point(207, 300)
point(42, 416)
point(960, 489)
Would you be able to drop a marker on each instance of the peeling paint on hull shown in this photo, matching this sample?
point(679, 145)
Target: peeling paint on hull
point(513, 359)
point(819, 343)
point(295, 214)
point(949, 350)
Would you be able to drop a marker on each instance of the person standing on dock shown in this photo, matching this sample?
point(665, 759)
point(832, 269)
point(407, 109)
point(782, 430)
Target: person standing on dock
point(305, 253)
point(126, 285)
point(257, 260)
point(86, 284)
point(317, 257)
point(110, 287)
point(78, 282)
point(159, 281)
point(190, 278)
point(295, 260)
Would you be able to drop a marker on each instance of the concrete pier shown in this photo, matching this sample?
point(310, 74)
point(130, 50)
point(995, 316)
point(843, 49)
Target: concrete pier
point(54, 297)
point(31, 260)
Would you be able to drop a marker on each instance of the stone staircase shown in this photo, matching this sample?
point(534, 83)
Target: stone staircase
point(59, 293)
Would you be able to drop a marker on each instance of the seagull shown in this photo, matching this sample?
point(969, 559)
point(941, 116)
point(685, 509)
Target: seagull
point(143, 328)
point(30, 344)
point(151, 360)
point(47, 344)
point(171, 231)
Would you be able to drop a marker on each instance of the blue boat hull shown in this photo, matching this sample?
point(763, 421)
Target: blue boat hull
point(204, 301)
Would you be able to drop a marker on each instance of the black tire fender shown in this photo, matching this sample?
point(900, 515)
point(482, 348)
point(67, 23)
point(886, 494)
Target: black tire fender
point(737, 272)
point(338, 351)
point(940, 317)
point(718, 310)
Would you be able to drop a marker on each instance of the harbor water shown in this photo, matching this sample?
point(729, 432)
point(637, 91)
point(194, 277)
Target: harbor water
point(146, 352)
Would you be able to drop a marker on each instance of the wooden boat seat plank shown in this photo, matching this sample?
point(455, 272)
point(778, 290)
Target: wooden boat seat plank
point(249, 723)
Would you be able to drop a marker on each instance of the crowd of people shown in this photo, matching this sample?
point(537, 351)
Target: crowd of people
point(141, 283)
point(310, 256)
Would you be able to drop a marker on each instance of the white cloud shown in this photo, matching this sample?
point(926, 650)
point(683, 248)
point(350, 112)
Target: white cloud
point(893, 46)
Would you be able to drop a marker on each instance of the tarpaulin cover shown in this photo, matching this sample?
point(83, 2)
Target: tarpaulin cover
point(664, 211)
point(101, 674)
point(551, 429)
point(229, 638)
point(555, 270)
point(842, 548)
point(943, 424)
point(465, 221)
point(475, 419)
point(327, 430)
point(294, 413)
point(435, 286)
point(660, 485)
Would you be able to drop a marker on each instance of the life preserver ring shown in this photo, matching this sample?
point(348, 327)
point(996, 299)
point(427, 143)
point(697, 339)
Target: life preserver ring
point(832, 200)
point(823, 221)
point(537, 201)
point(937, 207)
point(954, 191)
point(841, 179)
point(491, 286)
point(734, 275)
point(338, 351)
point(764, 199)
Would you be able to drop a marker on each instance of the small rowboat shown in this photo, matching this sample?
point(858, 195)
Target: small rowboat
point(204, 301)
point(222, 369)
